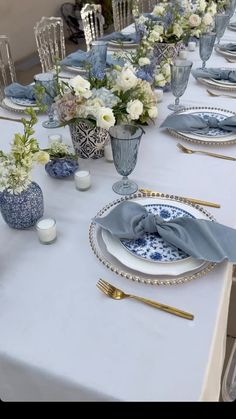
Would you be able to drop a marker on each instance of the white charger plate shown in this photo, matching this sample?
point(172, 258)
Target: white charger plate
point(227, 54)
point(9, 105)
point(218, 84)
point(112, 254)
point(222, 139)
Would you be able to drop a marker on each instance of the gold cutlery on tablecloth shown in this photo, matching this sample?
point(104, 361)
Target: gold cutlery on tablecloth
point(150, 192)
point(219, 95)
point(207, 153)
point(117, 294)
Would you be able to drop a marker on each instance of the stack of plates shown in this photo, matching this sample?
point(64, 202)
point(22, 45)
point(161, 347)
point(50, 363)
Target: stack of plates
point(228, 54)
point(150, 260)
point(18, 104)
point(215, 136)
point(219, 84)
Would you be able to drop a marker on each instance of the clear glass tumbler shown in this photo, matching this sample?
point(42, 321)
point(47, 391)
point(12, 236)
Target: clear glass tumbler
point(180, 71)
point(125, 140)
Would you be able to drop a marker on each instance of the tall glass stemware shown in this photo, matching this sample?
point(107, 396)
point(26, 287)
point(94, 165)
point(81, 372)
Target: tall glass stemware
point(98, 58)
point(231, 8)
point(47, 80)
point(206, 45)
point(125, 140)
point(221, 22)
point(180, 71)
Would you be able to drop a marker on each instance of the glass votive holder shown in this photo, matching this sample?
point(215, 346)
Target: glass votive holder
point(183, 54)
point(192, 46)
point(46, 229)
point(54, 138)
point(159, 95)
point(108, 152)
point(82, 180)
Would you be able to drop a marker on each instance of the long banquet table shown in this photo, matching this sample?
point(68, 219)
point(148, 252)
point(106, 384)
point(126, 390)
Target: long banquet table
point(60, 338)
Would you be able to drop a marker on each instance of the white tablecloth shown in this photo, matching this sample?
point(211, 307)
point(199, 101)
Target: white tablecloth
point(60, 338)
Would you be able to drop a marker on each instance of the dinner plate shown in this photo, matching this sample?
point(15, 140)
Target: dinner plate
point(75, 69)
point(23, 101)
point(232, 26)
point(227, 54)
point(112, 254)
point(11, 106)
point(216, 136)
point(218, 84)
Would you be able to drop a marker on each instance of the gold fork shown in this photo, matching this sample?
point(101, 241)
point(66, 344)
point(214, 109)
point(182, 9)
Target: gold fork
point(117, 294)
point(219, 95)
point(190, 151)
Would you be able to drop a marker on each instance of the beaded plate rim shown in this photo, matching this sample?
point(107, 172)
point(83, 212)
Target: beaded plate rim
point(193, 140)
point(93, 228)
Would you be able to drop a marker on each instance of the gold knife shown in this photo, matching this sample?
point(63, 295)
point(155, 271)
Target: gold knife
point(193, 200)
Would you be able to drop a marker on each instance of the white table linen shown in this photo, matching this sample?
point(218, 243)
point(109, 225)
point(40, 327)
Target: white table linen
point(60, 338)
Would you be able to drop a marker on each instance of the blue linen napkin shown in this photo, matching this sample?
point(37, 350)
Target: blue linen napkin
point(20, 91)
point(77, 58)
point(201, 239)
point(119, 36)
point(228, 47)
point(195, 123)
point(215, 73)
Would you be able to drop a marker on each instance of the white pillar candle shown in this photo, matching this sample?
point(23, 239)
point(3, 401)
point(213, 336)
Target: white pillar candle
point(183, 54)
point(192, 46)
point(82, 180)
point(159, 95)
point(108, 152)
point(46, 229)
point(54, 137)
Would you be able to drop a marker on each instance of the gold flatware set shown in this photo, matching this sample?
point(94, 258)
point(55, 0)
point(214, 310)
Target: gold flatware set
point(207, 153)
point(117, 294)
point(211, 93)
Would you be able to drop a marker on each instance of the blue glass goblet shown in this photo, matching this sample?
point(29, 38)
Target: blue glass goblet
point(180, 71)
point(98, 58)
point(125, 140)
point(47, 80)
point(221, 22)
point(206, 45)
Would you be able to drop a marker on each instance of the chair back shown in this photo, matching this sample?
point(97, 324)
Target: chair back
point(50, 40)
point(7, 67)
point(92, 21)
point(122, 13)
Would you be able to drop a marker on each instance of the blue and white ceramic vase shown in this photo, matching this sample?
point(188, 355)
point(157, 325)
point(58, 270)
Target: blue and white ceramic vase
point(88, 140)
point(60, 168)
point(22, 210)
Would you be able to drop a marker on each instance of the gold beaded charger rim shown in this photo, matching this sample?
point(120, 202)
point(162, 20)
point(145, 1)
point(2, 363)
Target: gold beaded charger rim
point(201, 140)
point(127, 273)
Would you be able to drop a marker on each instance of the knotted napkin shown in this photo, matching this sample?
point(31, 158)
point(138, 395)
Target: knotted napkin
point(20, 91)
point(195, 123)
point(77, 58)
point(119, 36)
point(215, 73)
point(201, 239)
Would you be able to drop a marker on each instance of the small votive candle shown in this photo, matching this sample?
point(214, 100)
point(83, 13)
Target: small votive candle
point(159, 95)
point(82, 180)
point(54, 137)
point(46, 229)
point(192, 46)
point(108, 152)
point(183, 54)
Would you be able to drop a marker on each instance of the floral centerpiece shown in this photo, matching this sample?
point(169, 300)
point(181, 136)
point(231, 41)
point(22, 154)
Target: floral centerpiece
point(90, 107)
point(21, 200)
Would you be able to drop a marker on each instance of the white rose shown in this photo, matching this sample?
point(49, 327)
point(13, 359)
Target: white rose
point(143, 61)
point(177, 30)
point(142, 19)
point(159, 29)
point(160, 80)
point(166, 69)
point(207, 19)
point(127, 80)
point(194, 20)
point(158, 11)
point(105, 118)
point(134, 109)
point(81, 87)
point(153, 112)
point(212, 9)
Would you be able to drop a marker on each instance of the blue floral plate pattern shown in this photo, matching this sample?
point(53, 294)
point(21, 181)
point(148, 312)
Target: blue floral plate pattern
point(213, 132)
point(152, 247)
point(23, 101)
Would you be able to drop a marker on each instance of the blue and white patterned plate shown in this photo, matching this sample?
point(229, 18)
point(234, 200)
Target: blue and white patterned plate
point(152, 247)
point(22, 101)
point(213, 132)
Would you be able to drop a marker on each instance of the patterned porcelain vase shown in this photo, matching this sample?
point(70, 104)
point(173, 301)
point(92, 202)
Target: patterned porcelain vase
point(163, 51)
point(60, 168)
point(88, 141)
point(22, 210)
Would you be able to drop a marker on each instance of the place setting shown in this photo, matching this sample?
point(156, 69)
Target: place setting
point(18, 98)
